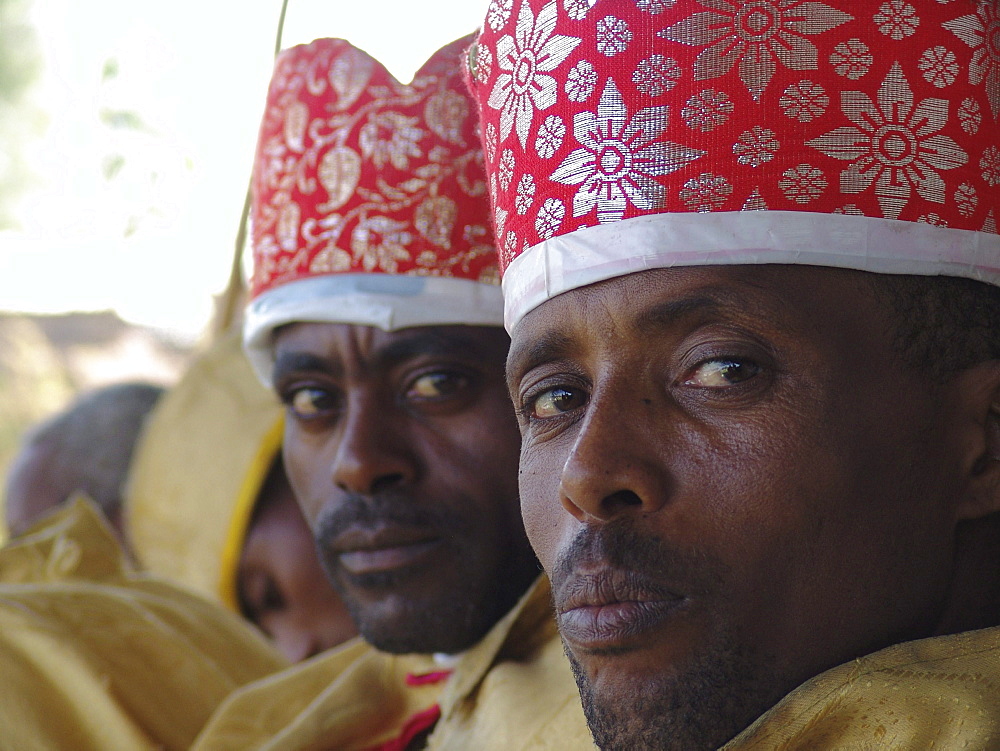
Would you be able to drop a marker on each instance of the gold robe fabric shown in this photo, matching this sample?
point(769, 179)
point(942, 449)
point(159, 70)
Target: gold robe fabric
point(96, 657)
point(198, 468)
point(513, 690)
point(939, 693)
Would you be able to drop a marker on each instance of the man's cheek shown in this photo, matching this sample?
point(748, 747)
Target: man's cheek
point(545, 520)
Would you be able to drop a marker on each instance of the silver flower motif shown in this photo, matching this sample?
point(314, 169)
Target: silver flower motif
point(932, 219)
point(802, 184)
point(619, 157)
point(499, 13)
point(755, 35)
point(525, 193)
point(939, 66)
point(981, 31)
point(804, 101)
point(756, 147)
point(490, 142)
point(550, 218)
point(707, 192)
point(707, 110)
point(893, 145)
point(484, 63)
point(966, 199)
point(989, 163)
point(656, 75)
point(581, 81)
point(505, 171)
point(525, 61)
point(578, 9)
point(549, 138)
point(851, 59)
point(613, 36)
point(897, 19)
point(969, 116)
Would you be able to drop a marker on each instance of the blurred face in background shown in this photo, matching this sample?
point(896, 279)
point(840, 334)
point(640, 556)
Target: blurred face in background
point(281, 585)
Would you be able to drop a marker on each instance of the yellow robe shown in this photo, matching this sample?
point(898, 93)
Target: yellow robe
point(512, 691)
point(198, 468)
point(94, 656)
point(940, 693)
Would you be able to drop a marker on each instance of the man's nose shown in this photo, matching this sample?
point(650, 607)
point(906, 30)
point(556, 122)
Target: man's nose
point(615, 465)
point(295, 643)
point(373, 452)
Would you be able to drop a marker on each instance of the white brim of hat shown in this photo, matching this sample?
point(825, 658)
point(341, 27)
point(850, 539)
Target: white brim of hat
point(658, 241)
point(387, 301)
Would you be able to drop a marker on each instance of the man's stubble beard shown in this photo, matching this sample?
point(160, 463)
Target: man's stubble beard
point(712, 701)
point(700, 704)
point(446, 621)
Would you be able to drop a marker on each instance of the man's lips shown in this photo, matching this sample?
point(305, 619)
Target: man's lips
point(380, 549)
point(608, 610)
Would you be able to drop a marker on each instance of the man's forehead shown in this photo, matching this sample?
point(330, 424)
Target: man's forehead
point(646, 302)
point(331, 345)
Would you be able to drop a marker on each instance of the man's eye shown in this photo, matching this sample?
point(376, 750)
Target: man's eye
point(435, 385)
point(555, 401)
point(722, 373)
point(260, 596)
point(307, 403)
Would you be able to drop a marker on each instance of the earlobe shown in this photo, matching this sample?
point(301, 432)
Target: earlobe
point(981, 390)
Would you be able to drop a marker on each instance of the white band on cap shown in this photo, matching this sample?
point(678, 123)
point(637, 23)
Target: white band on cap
point(656, 241)
point(386, 301)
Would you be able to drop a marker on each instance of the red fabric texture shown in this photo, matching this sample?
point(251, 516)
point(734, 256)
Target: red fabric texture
point(426, 679)
point(593, 112)
point(419, 723)
point(358, 173)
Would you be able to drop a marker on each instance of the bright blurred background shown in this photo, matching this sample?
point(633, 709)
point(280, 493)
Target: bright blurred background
point(127, 132)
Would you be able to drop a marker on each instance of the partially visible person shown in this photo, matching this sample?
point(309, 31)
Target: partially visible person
point(86, 448)
point(95, 656)
point(375, 315)
point(752, 288)
point(210, 507)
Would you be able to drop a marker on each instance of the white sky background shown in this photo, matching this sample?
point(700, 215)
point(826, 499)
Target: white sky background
point(196, 73)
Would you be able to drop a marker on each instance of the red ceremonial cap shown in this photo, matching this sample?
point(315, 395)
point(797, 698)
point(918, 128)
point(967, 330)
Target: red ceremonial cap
point(623, 135)
point(370, 204)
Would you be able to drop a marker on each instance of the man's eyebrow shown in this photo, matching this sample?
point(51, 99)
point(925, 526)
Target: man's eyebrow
point(287, 363)
point(670, 312)
point(552, 345)
point(525, 356)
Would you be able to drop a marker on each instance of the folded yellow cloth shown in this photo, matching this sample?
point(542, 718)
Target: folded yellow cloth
point(95, 656)
point(513, 691)
point(940, 693)
point(198, 468)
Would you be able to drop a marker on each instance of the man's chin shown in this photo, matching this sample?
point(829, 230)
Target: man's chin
point(700, 705)
point(406, 621)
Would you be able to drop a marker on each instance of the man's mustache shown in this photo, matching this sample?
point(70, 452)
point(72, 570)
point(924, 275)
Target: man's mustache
point(382, 509)
point(618, 545)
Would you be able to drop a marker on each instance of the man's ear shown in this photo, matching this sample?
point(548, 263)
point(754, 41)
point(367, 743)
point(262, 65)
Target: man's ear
point(979, 392)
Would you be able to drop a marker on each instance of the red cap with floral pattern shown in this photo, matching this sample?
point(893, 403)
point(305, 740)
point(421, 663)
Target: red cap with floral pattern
point(369, 198)
point(624, 135)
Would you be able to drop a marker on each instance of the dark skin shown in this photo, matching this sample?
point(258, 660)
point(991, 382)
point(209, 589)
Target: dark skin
point(32, 491)
point(735, 483)
point(402, 450)
point(282, 588)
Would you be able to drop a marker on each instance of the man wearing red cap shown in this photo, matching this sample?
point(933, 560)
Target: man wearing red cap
point(376, 316)
point(750, 257)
